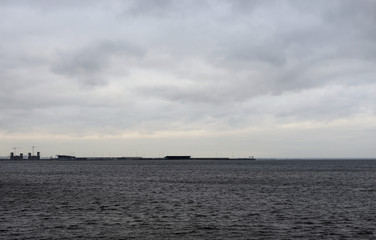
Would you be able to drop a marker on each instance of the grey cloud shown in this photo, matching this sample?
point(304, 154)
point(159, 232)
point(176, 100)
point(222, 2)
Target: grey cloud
point(246, 6)
point(305, 46)
point(47, 5)
point(144, 8)
point(87, 63)
point(166, 8)
point(207, 61)
point(179, 94)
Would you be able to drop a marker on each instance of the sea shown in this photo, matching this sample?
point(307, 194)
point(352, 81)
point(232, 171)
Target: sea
point(188, 199)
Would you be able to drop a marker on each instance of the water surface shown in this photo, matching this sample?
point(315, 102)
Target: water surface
point(165, 199)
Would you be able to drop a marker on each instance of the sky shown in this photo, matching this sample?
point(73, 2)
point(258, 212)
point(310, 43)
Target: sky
point(225, 78)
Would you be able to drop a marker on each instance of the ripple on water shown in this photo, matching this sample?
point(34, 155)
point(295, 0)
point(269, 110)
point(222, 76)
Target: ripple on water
point(189, 200)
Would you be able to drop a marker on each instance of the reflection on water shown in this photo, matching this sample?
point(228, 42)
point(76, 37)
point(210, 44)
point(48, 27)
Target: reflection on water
point(188, 199)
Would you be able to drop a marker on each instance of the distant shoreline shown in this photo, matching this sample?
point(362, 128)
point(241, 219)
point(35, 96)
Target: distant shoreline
point(123, 158)
point(190, 159)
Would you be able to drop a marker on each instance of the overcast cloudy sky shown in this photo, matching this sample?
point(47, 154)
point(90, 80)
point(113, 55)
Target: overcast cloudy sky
point(204, 78)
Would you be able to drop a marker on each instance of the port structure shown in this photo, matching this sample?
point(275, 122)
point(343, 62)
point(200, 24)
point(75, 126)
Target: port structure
point(14, 156)
point(14, 150)
point(33, 147)
point(32, 156)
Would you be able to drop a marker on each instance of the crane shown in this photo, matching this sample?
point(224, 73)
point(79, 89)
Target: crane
point(33, 148)
point(14, 149)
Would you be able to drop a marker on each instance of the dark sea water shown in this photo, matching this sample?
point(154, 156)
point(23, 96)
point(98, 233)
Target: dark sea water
point(289, 199)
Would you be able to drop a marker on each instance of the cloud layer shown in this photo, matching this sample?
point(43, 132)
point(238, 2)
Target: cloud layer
point(99, 68)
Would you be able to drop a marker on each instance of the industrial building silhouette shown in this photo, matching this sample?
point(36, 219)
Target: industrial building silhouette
point(20, 157)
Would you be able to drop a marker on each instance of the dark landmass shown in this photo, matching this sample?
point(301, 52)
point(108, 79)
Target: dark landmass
point(73, 158)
